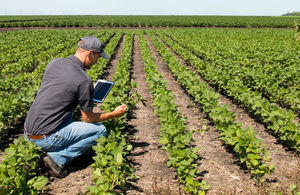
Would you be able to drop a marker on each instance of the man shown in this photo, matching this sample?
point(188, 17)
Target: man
point(49, 120)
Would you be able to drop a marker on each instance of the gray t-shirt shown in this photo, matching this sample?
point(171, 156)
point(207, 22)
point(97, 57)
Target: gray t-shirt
point(65, 85)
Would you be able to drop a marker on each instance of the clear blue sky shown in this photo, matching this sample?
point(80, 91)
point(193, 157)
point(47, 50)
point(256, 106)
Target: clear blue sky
point(150, 7)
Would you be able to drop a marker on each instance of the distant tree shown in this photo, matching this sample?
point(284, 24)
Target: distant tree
point(292, 14)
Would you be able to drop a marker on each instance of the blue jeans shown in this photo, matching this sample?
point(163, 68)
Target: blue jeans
point(70, 140)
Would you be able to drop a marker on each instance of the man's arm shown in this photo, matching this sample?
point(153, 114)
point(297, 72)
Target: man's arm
point(92, 117)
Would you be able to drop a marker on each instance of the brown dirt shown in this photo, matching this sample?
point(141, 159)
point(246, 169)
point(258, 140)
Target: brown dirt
point(287, 164)
point(217, 165)
point(110, 69)
point(149, 160)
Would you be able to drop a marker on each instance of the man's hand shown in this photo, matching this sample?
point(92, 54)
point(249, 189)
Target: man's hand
point(91, 117)
point(120, 110)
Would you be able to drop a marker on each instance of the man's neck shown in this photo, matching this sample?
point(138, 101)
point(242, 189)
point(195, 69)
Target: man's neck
point(80, 57)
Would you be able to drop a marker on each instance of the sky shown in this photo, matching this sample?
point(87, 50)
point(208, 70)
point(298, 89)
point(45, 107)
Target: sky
point(150, 7)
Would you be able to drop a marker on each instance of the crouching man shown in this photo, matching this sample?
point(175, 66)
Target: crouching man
point(49, 120)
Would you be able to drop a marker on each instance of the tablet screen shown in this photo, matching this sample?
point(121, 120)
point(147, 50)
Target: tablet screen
point(101, 90)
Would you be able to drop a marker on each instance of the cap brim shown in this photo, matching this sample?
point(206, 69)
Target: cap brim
point(104, 55)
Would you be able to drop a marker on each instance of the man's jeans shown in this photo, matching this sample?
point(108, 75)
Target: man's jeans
point(71, 140)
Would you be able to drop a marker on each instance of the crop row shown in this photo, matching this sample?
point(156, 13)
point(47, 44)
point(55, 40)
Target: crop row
point(173, 135)
point(243, 141)
point(32, 50)
point(11, 43)
point(20, 167)
point(12, 82)
point(110, 168)
point(259, 61)
point(146, 21)
point(274, 117)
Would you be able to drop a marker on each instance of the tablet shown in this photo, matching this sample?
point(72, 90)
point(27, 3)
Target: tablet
point(101, 90)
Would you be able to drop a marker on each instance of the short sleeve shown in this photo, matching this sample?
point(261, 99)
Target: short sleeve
point(85, 96)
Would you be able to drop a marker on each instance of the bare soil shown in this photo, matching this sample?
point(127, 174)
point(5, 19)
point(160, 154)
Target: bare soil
point(148, 159)
point(286, 162)
point(218, 166)
point(110, 69)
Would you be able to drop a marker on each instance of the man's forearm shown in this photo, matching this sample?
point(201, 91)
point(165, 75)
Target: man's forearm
point(106, 116)
point(92, 117)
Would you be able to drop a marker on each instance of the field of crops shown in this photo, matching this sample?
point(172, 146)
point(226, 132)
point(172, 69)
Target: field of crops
point(148, 21)
point(212, 111)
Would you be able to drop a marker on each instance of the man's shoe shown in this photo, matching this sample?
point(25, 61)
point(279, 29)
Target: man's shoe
point(54, 169)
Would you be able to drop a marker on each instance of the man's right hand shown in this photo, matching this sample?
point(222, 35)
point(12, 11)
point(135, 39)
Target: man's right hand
point(120, 110)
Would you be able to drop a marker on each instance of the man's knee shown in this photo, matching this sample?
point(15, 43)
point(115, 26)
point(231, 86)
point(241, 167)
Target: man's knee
point(102, 130)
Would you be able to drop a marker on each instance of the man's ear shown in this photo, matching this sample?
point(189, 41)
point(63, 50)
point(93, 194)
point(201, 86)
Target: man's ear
point(87, 56)
point(90, 53)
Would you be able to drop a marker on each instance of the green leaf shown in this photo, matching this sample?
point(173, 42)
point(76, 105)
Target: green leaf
point(293, 187)
point(119, 158)
point(129, 147)
point(38, 182)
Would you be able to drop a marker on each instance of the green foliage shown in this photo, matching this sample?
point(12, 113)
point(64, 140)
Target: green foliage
point(18, 170)
point(294, 189)
point(220, 69)
point(147, 21)
point(258, 68)
point(173, 135)
point(110, 168)
point(244, 142)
